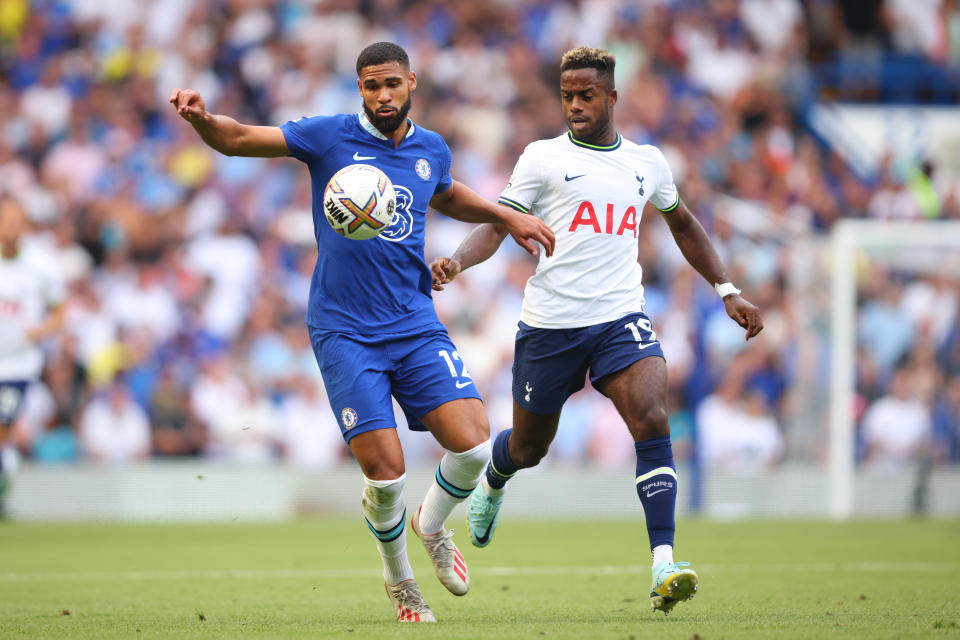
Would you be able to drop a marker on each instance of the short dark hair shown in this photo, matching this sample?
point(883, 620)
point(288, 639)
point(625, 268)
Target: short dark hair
point(590, 58)
point(380, 53)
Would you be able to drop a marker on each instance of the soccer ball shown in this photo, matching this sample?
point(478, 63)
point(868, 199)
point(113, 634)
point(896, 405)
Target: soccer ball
point(359, 201)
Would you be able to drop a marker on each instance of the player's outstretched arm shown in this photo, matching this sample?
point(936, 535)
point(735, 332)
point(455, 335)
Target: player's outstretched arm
point(696, 247)
point(225, 134)
point(51, 324)
point(481, 243)
point(460, 202)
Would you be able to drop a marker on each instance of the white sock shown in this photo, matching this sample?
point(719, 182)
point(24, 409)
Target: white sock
point(662, 553)
point(456, 476)
point(385, 514)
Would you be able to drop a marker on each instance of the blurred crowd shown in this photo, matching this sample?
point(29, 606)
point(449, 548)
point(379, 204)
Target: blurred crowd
point(187, 272)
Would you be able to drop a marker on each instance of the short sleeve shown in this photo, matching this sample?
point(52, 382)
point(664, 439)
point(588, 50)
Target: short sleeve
point(55, 290)
point(52, 283)
point(666, 198)
point(525, 183)
point(446, 160)
point(308, 137)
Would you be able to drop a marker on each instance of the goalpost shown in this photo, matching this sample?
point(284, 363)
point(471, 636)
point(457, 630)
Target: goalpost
point(850, 239)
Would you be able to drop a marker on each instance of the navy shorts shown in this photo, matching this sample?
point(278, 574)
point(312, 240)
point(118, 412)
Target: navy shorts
point(11, 399)
point(422, 371)
point(550, 365)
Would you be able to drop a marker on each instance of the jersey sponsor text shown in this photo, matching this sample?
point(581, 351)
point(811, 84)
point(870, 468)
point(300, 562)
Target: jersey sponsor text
point(586, 216)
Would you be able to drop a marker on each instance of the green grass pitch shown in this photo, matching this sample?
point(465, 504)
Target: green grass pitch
point(539, 579)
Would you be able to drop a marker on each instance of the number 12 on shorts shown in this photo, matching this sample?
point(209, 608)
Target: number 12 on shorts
point(642, 323)
point(449, 358)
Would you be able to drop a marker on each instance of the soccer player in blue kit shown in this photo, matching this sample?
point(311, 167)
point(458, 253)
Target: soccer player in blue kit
point(370, 314)
point(583, 308)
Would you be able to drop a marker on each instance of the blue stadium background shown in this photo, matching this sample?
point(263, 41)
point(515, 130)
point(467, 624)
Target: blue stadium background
point(188, 271)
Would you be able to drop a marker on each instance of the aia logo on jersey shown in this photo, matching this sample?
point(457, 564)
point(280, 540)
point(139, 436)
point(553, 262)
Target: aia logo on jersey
point(586, 219)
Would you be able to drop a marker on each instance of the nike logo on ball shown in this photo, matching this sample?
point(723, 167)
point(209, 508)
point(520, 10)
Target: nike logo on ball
point(357, 156)
point(568, 178)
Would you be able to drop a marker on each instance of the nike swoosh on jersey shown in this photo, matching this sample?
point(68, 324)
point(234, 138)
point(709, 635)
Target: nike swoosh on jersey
point(653, 493)
point(357, 156)
point(486, 535)
point(645, 346)
point(568, 178)
point(461, 385)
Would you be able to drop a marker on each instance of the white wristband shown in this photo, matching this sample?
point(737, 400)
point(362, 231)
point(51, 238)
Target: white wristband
point(726, 289)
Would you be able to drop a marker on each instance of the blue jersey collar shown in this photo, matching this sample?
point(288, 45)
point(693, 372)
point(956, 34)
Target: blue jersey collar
point(372, 130)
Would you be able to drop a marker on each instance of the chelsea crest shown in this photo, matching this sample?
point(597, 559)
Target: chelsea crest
point(422, 167)
point(349, 418)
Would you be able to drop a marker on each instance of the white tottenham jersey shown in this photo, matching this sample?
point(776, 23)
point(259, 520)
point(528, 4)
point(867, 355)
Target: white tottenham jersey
point(29, 286)
point(592, 198)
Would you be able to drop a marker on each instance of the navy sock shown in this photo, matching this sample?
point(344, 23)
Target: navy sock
point(657, 488)
point(501, 467)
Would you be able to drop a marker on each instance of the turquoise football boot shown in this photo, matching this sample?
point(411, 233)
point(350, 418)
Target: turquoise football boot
point(672, 583)
point(482, 515)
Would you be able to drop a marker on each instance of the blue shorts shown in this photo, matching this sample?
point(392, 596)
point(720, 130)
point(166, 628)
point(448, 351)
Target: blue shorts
point(550, 365)
point(11, 399)
point(422, 371)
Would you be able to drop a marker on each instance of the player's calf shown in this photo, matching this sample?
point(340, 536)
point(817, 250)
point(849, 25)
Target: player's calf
point(385, 515)
point(454, 480)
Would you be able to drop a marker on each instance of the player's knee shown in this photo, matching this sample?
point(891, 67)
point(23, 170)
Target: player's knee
point(479, 433)
point(528, 454)
point(379, 494)
point(653, 423)
point(382, 470)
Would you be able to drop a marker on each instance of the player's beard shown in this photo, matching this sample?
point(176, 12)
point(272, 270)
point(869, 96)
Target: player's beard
point(389, 124)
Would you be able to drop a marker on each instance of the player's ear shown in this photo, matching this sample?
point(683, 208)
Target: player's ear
point(412, 81)
point(613, 97)
point(359, 86)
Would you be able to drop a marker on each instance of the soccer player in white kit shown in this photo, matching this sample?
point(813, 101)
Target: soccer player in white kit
point(31, 293)
point(583, 308)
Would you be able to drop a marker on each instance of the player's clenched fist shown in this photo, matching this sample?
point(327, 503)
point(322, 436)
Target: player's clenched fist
point(444, 271)
point(189, 105)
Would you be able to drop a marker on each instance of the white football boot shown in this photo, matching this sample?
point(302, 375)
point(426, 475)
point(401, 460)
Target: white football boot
point(447, 560)
point(408, 602)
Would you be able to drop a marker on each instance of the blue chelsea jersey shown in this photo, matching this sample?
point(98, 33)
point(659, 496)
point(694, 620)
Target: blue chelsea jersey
point(382, 285)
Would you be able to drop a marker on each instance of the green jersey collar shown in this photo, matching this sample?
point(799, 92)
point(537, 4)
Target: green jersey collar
point(595, 147)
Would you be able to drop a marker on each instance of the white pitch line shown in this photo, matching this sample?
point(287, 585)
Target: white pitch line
point(599, 570)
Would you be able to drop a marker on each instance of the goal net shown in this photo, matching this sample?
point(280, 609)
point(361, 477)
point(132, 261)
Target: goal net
point(893, 317)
